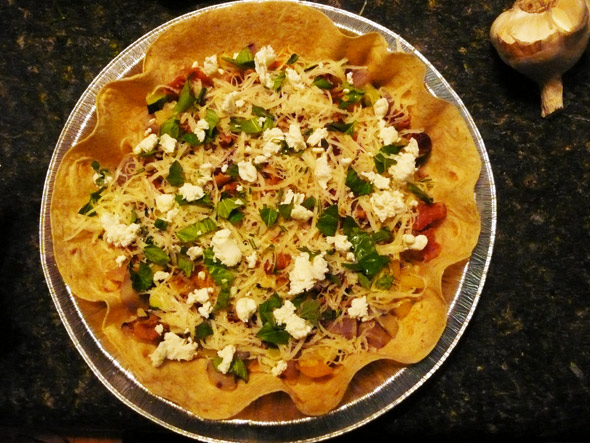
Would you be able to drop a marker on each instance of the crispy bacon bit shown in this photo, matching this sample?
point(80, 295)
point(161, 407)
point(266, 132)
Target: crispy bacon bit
point(291, 373)
point(375, 334)
point(271, 175)
point(201, 278)
point(429, 215)
point(230, 187)
point(225, 139)
point(178, 83)
point(268, 267)
point(221, 179)
point(144, 329)
point(360, 77)
point(360, 214)
point(282, 261)
point(181, 284)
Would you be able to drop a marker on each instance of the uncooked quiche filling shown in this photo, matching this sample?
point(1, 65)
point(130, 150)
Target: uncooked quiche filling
point(271, 218)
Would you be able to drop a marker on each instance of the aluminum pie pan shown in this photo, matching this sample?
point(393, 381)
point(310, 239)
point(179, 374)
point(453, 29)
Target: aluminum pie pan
point(467, 285)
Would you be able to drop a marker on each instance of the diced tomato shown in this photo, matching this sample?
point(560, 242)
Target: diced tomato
point(429, 215)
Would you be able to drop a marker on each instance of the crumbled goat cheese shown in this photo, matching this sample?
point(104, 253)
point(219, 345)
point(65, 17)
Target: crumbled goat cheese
point(317, 136)
point(146, 145)
point(380, 181)
point(416, 243)
point(227, 356)
point(262, 60)
point(247, 171)
point(229, 103)
point(412, 148)
point(106, 179)
point(210, 65)
point(173, 347)
point(206, 309)
point(245, 307)
point(340, 242)
point(160, 276)
point(404, 169)
point(296, 326)
point(388, 134)
point(346, 161)
point(226, 248)
point(359, 308)
point(191, 192)
point(117, 233)
point(294, 79)
point(350, 77)
point(120, 260)
point(167, 143)
point(194, 252)
point(159, 328)
point(322, 171)
point(171, 214)
point(200, 129)
point(294, 138)
point(387, 204)
point(164, 202)
point(279, 368)
point(381, 107)
point(306, 273)
point(252, 259)
point(198, 296)
point(298, 212)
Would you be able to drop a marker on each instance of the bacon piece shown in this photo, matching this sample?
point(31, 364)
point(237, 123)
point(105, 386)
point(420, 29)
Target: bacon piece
point(429, 216)
point(144, 329)
point(178, 83)
point(271, 175)
point(360, 77)
point(282, 261)
point(291, 373)
point(348, 327)
point(375, 334)
point(226, 140)
point(221, 179)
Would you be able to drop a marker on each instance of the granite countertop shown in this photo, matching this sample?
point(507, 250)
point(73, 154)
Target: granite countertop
point(522, 368)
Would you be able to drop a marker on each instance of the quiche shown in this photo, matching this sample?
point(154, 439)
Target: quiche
point(266, 211)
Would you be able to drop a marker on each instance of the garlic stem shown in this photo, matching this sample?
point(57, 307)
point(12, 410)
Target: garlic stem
point(551, 95)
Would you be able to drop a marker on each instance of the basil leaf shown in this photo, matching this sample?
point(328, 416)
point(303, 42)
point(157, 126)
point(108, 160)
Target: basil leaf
point(369, 262)
point(392, 149)
point(277, 82)
point(175, 174)
point(194, 231)
point(310, 311)
point(356, 184)
point(185, 264)
point(382, 163)
point(273, 334)
point(156, 255)
point(340, 126)
point(186, 98)
point(328, 221)
point(233, 171)
point(269, 215)
point(364, 281)
point(143, 278)
point(349, 225)
point(322, 82)
point(292, 59)
point(191, 139)
point(226, 206)
point(212, 119)
point(384, 282)
point(250, 126)
point(87, 209)
point(236, 217)
point(221, 275)
point(200, 99)
point(259, 111)
point(352, 97)
point(309, 203)
point(203, 331)
point(222, 298)
point(239, 369)
point(265, 309)
point(203, 201)
point(162, 225)
point(285, 210)
point(244, 59)
point(171, 127)
point(418, 192)
point(384, 235)
point(370, 265)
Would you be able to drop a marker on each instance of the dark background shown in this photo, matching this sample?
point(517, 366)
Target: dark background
point(521, 369)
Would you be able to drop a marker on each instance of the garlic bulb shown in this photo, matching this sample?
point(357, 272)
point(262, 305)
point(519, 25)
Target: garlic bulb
point(542, 39)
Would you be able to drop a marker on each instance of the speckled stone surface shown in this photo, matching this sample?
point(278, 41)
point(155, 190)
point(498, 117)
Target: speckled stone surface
point(522, 369)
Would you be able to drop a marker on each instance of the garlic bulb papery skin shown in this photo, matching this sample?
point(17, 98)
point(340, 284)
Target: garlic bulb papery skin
point(542, 39)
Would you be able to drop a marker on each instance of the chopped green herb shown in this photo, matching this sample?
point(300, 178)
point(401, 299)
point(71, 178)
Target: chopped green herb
point(185, 99)
point(269, 215)
point(384, 235)
point(340, 126)
point(385, 281)
point(227, 206)
point(162, 225)
point(143, 278)
point(156, 255)
point(285, 210)
point(265, 309)
point(239, 369)
point(175, 174)
point(278, 80)
point(356, 184)
point(88, 208)
point(194, 231)
point(351, 97)
point(292, 59)
point(382, 163)
point(203, 331)
point(171, 127)
point(392, 149)
point(328, 221)
point(273, 334)
point(322, 82)
point(185, 264)
point(244, 59)
point(309, 203)
point(418, 192)
point(310, 311)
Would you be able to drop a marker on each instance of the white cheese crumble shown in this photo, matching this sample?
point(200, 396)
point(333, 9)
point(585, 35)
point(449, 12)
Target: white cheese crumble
point(381, 107)
point(191, 192)
point(262, 60)
point(404, 169)
point(200, 130)
point(245, 307)
point(317, 136)
point(416, 243)
point(210, 65)
point(227, 356)
point(226, 248)
point(194, 252)
point(120, 260)
point(252, 259)
point(306, 272)
point(198, 296)
point(412, 148)
point(388, 134)
point(340, 242)
point(247, 171)
point(159, 328)
point(387, 204)
point(117, 233)
point(146, 145)
point(160, 276)
point(294, 79)
point(164, 202)
point(322, 171)
point(173, 347)
point(296, 326)
point(229, 103)
point(279, 368)
point(167, 143)
point(380, 181)
point(298, 212)
point(294, 138)
point(359, 308)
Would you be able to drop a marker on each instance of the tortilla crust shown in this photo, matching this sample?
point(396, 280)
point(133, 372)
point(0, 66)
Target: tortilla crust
point(454, 166)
